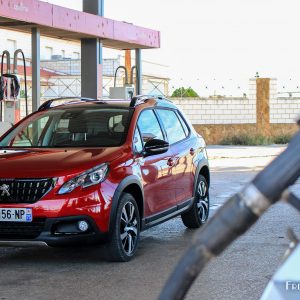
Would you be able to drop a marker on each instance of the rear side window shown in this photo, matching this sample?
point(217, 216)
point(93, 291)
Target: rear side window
point(149, 126)
point(184, 126)
point(172, 125)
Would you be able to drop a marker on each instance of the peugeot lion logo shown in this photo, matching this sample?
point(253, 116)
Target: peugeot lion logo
point(5, 190)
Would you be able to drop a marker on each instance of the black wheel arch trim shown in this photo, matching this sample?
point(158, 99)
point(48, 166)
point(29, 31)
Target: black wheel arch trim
point(201, 164)
point(132, 179)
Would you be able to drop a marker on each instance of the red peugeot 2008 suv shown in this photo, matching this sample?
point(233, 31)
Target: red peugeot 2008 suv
point(88, 171)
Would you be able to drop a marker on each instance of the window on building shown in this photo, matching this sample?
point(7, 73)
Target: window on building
point(76, 55)
point(48, 52)
point(11, 46)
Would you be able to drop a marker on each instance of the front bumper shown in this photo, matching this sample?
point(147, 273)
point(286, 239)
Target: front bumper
point(51, 232)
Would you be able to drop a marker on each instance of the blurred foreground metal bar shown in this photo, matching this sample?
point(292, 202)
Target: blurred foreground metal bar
point(234, 218)
point(292, 199)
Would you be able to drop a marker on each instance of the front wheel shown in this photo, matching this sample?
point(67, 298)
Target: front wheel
point(126, 232)
point(199, 212)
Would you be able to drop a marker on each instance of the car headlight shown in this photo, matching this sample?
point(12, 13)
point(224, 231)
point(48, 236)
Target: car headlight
point(91, 177)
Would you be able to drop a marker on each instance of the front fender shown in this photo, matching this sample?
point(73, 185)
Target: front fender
point(131, 179)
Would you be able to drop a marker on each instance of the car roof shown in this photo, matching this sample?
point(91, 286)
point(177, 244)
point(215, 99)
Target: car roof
point(74, 102)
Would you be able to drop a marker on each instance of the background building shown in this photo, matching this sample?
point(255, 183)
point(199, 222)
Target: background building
point(61, 67)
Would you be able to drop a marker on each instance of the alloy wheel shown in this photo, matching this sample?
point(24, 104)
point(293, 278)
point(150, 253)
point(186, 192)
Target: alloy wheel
point(129, 228)
point(202, 201)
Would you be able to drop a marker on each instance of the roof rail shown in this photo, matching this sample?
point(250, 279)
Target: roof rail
point(140, 99)
point(135, 101)
point(163, 98)
point(47, 104)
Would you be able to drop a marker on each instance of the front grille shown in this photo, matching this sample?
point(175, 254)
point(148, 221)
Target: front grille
point(19, 230)
point(24, 190)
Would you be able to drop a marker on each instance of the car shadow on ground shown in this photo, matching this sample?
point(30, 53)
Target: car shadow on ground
point(34, 255)
point(152, 240)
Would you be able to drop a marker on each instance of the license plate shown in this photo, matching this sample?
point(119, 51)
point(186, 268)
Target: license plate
point(15, 215)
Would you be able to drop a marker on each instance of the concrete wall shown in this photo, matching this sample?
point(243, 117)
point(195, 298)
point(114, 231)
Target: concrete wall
point(284, 110)
point(261, 113)
point(243, 110)
point(219, 111)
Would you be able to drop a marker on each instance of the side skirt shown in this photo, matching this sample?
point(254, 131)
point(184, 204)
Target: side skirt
point(167, 214)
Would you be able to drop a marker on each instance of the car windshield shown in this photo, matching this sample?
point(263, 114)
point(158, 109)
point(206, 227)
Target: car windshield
point(71, 127)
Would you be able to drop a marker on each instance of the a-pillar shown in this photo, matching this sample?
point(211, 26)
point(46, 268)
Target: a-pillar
point(263, 106)
point(91, 56)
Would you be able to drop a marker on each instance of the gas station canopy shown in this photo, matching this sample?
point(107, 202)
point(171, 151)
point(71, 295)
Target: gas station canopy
point(63, 23)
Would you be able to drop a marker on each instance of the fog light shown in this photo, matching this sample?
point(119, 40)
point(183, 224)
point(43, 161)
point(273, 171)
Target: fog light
point(83, 226)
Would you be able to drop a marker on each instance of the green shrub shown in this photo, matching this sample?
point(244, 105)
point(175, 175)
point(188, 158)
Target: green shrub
point(282, 139)
point(185, 93)
point(255, 140)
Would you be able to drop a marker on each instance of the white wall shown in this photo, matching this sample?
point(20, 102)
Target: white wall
point(219, 111)
point(283, 109)
point(241, 110)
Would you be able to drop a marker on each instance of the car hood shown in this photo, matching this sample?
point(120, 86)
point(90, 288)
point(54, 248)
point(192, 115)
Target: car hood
point(45, 163)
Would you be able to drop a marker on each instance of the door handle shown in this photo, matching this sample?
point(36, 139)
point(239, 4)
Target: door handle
point(192, 151)
point(170, 162)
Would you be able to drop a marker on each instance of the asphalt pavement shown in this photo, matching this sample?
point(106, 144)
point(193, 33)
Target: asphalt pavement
point(242, 272)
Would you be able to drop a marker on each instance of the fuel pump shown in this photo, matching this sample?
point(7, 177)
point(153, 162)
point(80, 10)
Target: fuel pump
point(10, 91)
point(17, 112)
point(122, 92)
point(3, 80)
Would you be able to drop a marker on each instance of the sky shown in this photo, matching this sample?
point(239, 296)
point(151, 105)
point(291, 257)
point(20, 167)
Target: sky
point(223, 40)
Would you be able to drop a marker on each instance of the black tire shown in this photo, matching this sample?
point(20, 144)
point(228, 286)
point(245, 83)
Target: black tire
point(126, 231)
point(198, 214)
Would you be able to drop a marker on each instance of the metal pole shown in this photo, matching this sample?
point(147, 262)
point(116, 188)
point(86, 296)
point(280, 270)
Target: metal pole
point(128, 62)
point(36, 77)
point(138, 64)
point(95, 7)
point(91, 56)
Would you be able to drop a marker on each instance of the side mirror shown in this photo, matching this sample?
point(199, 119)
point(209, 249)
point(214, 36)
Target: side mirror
point(155, 146)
